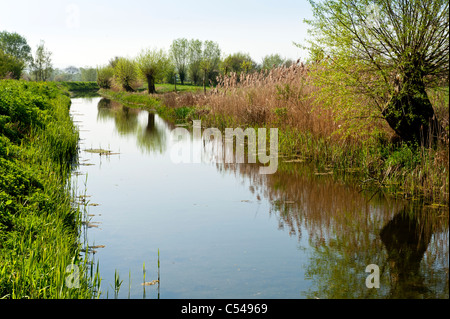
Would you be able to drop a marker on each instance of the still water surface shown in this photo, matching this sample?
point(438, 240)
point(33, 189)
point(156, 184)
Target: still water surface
point(226, 231)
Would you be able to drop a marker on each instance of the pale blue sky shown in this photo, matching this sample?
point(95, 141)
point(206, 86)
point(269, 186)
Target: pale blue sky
point(89, 33)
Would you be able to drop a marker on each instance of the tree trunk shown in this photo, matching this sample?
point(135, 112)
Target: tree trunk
point(128, 88)
point(151, 84)
point(406, 239)
point(182, 76)
point(410, 113)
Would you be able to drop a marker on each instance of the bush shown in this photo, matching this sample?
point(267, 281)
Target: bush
point(105, 76)
point(125, 73)
point(10, 66)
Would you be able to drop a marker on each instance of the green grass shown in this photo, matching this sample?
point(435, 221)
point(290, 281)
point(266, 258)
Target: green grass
point(39, 221)
point(167, 87)
point(131, 99)
point(152, 102)
point(164, 88)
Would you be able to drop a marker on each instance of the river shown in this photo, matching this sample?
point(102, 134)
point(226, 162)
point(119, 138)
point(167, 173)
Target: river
point(227, 231)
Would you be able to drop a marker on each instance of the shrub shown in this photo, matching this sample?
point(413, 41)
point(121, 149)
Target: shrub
point(105, 76)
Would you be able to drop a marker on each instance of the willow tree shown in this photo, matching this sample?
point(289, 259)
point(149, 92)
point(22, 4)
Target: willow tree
point(152, 64)
point(210, 61)
point(389, 50)
point(125, 73)
point(179, 50)
point(195, 59)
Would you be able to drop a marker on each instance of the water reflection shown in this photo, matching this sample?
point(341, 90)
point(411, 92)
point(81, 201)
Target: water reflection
point(338, 228)
point(406, 238)
point(347, 232)
point(150, 135)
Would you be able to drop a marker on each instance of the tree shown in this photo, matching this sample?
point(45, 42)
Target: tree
point(195, 58)
point(113, 61)
point(152, 65)
point(125, 73)
point(247, 65)
point(237, 62)
point(272, 60)
point(72, 71)
point(88, 74)
point(170, 74)
point(390, 51)
point(41, 65)
point(210, 61)
point(16, 45)
point(10, 66)
point(105, 76)
point(179, 51)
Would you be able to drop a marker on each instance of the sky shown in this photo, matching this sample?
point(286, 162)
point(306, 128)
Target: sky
point(89, 33)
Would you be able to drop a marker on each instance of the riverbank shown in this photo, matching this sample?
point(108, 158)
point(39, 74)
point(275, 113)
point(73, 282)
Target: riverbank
point(39, 219)
point(373, 159)
point(79, 86)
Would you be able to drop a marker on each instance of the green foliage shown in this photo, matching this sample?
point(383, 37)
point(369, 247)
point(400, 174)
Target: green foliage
point(125, 73)
point(10, 66)
point(15, 45)
point(41, 65)
point(38, 223)
point(195, 58)
point(130, 99)
point(210, 61)
point(20, 112)
point(272, 61)
point(80, 86)
point(388, 51)
point(170, 74)
point(179, 51)
point(88, 74)
point(405, 156)
point(105, 76)
point(152, 65)
point(183, 113)
point(237, 62)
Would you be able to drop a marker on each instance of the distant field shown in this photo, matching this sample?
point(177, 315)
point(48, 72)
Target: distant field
point(166, 87)
point(162, 88)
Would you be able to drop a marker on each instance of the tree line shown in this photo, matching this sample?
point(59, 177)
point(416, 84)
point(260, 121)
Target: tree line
point(194, 61)
point(17, 61)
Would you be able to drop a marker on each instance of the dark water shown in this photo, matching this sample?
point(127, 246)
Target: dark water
point(226, 231)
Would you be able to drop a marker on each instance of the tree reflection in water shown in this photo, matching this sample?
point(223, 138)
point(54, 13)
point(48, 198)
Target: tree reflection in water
point(151, 137)
point(346, 232)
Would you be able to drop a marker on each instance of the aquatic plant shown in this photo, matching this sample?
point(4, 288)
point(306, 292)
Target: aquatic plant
point(39, 222)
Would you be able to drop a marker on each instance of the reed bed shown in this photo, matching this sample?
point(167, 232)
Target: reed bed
point(339, 131)
point(336, 130)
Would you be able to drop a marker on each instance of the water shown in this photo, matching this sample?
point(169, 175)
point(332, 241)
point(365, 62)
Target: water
point(226, 231)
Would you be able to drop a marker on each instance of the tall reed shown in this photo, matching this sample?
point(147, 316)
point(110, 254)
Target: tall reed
point(39, 222)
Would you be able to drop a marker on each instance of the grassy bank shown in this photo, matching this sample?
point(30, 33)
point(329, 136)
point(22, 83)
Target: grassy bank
point(79, 86)
point(341, 136)
point(39, 222)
